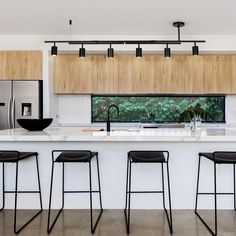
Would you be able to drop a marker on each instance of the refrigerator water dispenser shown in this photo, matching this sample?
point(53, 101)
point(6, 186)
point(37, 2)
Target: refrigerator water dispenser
point(26, 109)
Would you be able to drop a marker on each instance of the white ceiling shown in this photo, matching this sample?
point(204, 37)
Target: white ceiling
point(117, 17)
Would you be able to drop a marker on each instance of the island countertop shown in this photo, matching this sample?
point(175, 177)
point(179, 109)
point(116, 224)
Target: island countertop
point(215, 134)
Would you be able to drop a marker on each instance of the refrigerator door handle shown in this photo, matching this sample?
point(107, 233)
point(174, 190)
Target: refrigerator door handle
point(9, 113)
point(13, 115)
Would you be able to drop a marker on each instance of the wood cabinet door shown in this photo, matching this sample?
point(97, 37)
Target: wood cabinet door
point(193, 70)
point(64, 74)
point(28, 65)
point(171, 74)
point(7, 65)
point(218, 72)
point(107, 74)
point(21, 65)
point(86, 73)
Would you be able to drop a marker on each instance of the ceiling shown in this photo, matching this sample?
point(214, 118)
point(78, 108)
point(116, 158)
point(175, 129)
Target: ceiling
point(117, 17)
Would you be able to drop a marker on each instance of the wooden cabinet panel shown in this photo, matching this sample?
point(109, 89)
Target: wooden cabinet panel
point(75, 75)
point(6, 65)
point(171, 75)
point(64, 73)
point(129, 74)
point(126, 74)
point(107, 74)
point(86, 74)
point(217, 74)
point(192, 74)
point(21, 65)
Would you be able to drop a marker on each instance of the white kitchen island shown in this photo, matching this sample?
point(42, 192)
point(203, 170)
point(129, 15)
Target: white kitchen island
point(112, 147)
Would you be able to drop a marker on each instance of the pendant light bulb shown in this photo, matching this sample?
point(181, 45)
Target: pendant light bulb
point(139, 52)
point(167, 52)
point(54, 50)
point(195, 50)
point(110, 52)
point(82, 52)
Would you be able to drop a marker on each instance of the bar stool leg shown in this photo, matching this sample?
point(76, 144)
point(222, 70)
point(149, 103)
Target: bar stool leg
point(128, 196)
point(215, 199)
point(93, 227)
point(99, 188)
point(169, 218)
point(49, 228)
point(3, 187)
point(16, 194)
point(234, 189)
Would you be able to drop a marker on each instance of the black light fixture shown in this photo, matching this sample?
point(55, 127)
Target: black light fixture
point(82, 52)
point(195, 50)
point(110, 52)
point(54, 50)
point(167, 52)
point(139, 52)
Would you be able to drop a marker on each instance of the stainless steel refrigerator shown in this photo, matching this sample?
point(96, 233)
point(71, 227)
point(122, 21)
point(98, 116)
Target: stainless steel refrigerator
point(19, 99)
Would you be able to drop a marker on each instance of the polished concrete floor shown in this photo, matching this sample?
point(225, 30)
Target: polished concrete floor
point(143, 223)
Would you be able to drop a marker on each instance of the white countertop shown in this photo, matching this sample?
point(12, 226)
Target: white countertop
point(218, 134)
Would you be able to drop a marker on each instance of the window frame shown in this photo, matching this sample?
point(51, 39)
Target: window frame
point(155, 95)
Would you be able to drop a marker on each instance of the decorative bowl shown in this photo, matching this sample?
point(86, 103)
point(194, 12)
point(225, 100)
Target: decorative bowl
point(34, 124)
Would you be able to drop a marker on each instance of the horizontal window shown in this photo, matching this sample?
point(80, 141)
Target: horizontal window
point(158, 108)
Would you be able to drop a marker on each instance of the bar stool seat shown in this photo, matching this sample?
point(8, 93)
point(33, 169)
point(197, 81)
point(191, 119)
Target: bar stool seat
point(13, 156)
point(220, 157)
point(80, 156)
point(10, 156)
point(147, 156)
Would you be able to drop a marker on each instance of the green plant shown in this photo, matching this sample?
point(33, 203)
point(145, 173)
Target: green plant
point(192, 112)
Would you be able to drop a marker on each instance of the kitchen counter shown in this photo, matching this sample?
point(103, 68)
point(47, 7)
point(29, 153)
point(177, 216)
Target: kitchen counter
point(224, 134)
point(182, 144)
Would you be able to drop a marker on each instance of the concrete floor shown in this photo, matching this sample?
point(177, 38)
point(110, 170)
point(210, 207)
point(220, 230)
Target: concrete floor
point(143, 223)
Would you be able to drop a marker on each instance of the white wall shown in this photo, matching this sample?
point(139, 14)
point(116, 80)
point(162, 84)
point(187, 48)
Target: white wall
point(69, 109)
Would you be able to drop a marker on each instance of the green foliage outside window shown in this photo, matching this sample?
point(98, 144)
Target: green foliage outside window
point(155, 108)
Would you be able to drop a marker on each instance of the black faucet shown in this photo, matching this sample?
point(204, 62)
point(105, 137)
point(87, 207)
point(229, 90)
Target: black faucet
point(108, 116)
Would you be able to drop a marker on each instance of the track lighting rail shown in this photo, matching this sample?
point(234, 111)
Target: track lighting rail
point(110, 51)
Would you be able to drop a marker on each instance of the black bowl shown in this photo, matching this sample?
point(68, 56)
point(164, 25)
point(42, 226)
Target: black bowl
point(34, 124)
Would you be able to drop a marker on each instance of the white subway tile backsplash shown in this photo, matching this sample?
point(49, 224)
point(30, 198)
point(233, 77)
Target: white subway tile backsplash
point(74, 109)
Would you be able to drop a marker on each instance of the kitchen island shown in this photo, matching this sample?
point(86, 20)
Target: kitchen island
point(112, 147)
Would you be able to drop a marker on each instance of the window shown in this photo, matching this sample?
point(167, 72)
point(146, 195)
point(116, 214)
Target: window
point(155, 108)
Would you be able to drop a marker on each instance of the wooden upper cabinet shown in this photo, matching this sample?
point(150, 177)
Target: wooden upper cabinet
point(107, 74)
point(21, 65)
point(192, 74)
point(171, 75)
point(86, 74)
point(7, 59)
point(64, 73)
point(75, 75)
point(126, 74)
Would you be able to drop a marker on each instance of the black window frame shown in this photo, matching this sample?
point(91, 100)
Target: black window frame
point(156, 95)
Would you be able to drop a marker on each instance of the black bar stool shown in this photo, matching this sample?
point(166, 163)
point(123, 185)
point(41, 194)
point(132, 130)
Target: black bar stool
point(16, 157)
point(147, 157)
point(78, 156)
point(216, 158)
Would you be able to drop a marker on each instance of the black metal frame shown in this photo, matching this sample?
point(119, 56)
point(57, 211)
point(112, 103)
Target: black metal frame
point(129, 191)
point(214, 233)
point(93, 227)
point(16, 191)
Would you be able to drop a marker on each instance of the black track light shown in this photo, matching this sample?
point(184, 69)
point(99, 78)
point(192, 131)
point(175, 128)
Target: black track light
point(195, 50)
point(82, 52)
point(167, 52)
point(54, 50)
point(139, 52)
point(110, 52)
